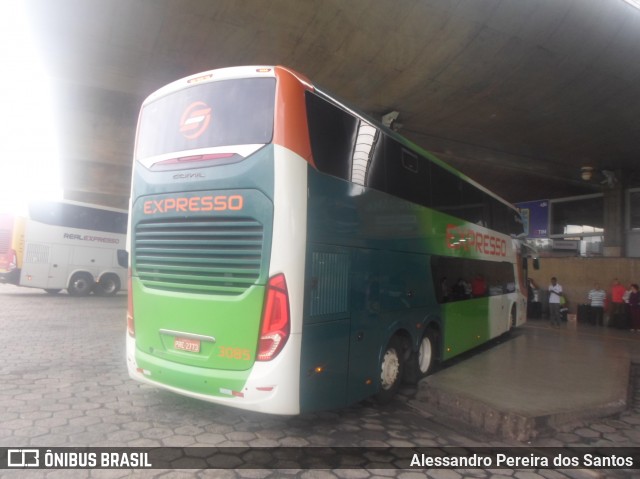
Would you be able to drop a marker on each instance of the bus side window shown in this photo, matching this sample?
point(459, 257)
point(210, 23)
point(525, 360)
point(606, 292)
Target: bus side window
point(123, 258)
point(407, 173)
point(473, 207)
point(446, 194)
point(332, 133)
point(483, 277)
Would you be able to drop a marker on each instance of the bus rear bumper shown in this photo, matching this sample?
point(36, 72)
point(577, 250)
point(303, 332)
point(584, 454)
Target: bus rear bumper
point(258, 393)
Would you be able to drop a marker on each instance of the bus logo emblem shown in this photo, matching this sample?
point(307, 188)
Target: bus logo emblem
point(195, 120)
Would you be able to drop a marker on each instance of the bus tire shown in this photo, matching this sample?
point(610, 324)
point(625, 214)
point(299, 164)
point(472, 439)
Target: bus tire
point(427, 353)
point(423, 361)
point(391, 370)
point(80, 284)
point(108, 285)
point(52, 291)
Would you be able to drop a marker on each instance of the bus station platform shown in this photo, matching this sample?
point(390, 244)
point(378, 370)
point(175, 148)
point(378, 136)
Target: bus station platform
point(536, 379)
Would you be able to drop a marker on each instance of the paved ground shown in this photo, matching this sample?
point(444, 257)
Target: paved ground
point(538, 379)
point(63, 382)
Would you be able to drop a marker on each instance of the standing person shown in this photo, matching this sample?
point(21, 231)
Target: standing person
point(634, 306)
point(444, 288)
point(597, 297)
point(555, 293)
point(617, 297)
point(534, 307)
point(459, 290)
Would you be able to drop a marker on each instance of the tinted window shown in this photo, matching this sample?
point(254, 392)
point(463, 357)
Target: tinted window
point(78, 216)
point(407, 173)
point(457, 279)
point(367, 166)
point(354, 150)
point(332, 133)
point(377, 169)
point(446, 194)
point(456, 197)
point(230, 112)
point(505, 219)
point(473, 206)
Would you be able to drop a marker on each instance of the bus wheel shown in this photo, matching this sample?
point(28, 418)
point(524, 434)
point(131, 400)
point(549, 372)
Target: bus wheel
point(81, 284)
point(427, 353)
point(52, 291)
point(391, 370)
point(422, 362)
point(108, 285)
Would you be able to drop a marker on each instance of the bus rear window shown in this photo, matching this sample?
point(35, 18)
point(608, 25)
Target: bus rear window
point(228, 112)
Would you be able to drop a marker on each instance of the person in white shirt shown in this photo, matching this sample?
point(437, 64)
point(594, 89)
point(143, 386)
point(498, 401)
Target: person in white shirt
point(597, 297)
point(555, 293)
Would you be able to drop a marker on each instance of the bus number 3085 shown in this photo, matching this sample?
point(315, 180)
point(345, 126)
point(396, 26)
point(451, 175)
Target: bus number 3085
point(229, 352)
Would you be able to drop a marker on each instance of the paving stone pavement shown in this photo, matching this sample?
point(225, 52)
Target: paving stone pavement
point(63, 383)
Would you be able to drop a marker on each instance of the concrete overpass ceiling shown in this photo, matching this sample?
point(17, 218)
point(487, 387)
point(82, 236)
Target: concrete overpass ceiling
point(517, 95)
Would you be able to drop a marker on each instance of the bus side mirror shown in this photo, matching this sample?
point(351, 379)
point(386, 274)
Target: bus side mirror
point(123, 258)
point(536, 263)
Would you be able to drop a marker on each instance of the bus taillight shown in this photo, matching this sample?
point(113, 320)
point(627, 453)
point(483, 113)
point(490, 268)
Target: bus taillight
point(275, 319)
point(130, 323)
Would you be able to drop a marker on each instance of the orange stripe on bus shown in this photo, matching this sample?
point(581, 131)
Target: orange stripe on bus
point(291, 130)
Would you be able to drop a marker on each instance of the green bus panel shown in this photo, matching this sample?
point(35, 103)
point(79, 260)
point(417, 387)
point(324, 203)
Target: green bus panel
point(466, 325)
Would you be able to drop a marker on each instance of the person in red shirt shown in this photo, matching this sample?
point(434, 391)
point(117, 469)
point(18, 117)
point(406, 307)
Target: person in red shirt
point(478, 286)
point(617, 297)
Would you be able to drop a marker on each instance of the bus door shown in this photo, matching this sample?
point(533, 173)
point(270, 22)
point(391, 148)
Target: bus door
point(58, 269)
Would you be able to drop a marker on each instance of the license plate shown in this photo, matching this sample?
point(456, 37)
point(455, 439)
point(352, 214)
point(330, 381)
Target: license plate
point(187, 344)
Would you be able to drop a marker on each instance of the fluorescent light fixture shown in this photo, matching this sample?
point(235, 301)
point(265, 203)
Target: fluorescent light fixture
point(586, 173)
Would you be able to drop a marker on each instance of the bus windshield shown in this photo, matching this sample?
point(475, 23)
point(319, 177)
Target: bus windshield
point(221, 113)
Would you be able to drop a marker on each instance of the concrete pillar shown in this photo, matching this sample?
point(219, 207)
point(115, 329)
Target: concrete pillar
point(614, 219)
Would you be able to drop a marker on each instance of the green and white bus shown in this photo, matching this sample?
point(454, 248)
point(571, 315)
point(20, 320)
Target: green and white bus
point(289, 254)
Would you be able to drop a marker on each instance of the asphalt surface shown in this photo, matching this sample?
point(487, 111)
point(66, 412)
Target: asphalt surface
point(64, 383)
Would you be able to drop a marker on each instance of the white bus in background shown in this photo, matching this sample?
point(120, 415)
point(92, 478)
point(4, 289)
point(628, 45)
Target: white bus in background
point(66, 245)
